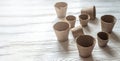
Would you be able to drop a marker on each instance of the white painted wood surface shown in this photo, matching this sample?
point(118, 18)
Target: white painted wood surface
point(26, 32)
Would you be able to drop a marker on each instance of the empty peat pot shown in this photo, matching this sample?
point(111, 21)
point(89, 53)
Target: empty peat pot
point(61, 8)
point(61, 30)
point(91, 11)
point(107, 23)
point(102, 39)
point(84, 18)
point(71, 19)
point(85, 45)
point(77, 31)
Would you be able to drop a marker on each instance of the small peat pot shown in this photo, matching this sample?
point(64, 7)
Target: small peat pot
point(61, 30)
point(77, 31)
point(71, 19)
point(107, 23)
point(61, 8)
point(84, 18)
point(91, 11)
point(85, 45)
point(102, 39)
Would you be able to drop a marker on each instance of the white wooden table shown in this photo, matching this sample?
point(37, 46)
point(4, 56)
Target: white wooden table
point(26, 32)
